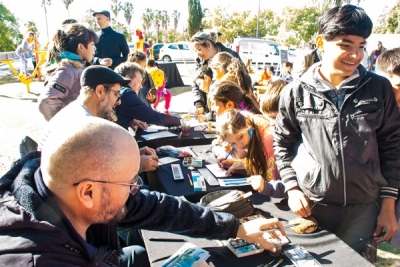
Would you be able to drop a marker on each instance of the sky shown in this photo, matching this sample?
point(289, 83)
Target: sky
point(31, 10)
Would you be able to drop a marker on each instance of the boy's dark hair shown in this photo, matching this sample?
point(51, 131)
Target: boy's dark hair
point(136, 56)
point(269, 102)
point(345, 20)
point(389, 62)
point(204, 70)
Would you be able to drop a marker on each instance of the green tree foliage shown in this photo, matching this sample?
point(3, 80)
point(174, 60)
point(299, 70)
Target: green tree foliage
point(147, 20)
point(195, 16)
point(128, 11)
point(10, 36)
point(176, 15)
point(116, 7)
point(44, 4)
point(90, 20)
point(31, 27)
point(164, 24)
point(67, 3)
point(299, 24)
point(389, 20)
point(157, 22)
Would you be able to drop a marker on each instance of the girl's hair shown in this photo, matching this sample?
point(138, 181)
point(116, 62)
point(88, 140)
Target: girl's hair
point(202, 71)
point(288, 64)
point(233, 122)
point(136, 56)
point(235, 70)
point(201, 38)
point(229, 91)
point(389, 62)
point(152, 63)
point(68, 38)
point(269, 102)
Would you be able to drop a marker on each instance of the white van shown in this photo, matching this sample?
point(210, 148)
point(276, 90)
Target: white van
point(261, 52)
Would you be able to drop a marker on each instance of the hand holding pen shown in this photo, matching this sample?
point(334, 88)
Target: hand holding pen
point(223, 162)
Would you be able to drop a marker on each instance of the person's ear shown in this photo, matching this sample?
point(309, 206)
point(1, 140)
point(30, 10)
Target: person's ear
point(319, 42)
point(79, 48)
point(207, 79)
point(100, 91)
point(86, 191)
point(230, 105)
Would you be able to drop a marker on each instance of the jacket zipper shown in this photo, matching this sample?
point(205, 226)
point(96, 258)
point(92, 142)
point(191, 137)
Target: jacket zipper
point(340, 131)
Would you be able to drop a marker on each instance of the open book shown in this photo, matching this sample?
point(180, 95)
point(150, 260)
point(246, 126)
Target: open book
point(186, 256)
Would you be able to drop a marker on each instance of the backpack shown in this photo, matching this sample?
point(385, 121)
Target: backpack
point(157, 76)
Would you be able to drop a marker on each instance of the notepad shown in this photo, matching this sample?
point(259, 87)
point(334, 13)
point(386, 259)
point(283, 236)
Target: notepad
point(217, 170)
point(158, 135)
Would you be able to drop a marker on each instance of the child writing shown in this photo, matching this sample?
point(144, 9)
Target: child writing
point(251, 141)
point(159, 80)
point(25, 47)
point(337, 138)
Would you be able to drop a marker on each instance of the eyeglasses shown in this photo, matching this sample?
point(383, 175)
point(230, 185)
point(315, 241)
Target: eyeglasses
point(117, 93)
point(135, 186)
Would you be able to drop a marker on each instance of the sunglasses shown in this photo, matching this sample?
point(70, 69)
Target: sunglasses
point(134, 187)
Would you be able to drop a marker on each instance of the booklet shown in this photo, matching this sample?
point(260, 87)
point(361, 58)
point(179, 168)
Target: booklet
point(158, 135)
point(217, 170)
point(186, 256)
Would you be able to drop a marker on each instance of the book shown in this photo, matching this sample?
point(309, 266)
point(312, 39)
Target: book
point(186, 256)
point(242, 248)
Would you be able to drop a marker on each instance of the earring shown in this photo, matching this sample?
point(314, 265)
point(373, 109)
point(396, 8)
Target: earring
point(250, 131)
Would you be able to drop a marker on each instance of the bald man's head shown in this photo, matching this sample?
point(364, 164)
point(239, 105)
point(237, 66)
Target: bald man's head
point(87, 148)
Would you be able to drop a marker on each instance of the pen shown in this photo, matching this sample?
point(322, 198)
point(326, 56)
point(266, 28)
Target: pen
point(167, 240)
point(190, 180)
point(230, 152)
point(278, 263)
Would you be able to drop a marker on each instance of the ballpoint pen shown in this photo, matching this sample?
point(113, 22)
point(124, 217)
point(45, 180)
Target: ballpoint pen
point(230, 152)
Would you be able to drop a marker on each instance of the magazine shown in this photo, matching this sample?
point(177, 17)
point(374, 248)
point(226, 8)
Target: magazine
point(186, 256)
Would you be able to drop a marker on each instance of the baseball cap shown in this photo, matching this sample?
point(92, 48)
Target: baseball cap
point(202, 36)
point(95, 75)
point(104, 12)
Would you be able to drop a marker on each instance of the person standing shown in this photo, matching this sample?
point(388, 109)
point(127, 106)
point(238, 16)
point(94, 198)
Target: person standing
point(25, 47)
point(374, 56)
point(112, 48)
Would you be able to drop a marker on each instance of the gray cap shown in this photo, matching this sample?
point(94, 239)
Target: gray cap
point(104, 12)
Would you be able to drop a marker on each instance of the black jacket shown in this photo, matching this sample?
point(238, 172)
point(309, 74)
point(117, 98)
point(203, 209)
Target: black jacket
point(132, 107)
point(348, 155)
point(199, 96)
point(111, 45)
point(35, 232)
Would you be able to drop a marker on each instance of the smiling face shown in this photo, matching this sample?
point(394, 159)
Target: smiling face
point(341, 56)
point(205, 51)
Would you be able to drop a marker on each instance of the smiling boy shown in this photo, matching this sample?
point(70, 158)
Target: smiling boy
point(337, 138)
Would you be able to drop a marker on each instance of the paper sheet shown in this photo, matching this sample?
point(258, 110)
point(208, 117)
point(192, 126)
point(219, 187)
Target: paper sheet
point(158, 135)
point(166, 160)
point(217, 170)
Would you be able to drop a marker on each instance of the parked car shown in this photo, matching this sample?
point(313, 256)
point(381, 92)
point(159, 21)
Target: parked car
point(156, 50)
point(176, 52)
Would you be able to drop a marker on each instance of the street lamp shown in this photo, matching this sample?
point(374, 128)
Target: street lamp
point(258, 18)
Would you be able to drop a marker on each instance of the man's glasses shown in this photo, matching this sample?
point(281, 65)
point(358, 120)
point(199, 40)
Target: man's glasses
point(116, 93)
point(134, 187)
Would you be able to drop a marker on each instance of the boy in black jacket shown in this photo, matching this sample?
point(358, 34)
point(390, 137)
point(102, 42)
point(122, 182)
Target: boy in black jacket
point(337, 138)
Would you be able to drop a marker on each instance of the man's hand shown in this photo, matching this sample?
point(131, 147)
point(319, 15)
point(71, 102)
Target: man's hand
point(257, 182)
point(250, 231)
point(149, 162)
point(137, 123)
point(106, 62)
point(298, 202)
point(198, 111)
point(147, 151)
point(386, 220)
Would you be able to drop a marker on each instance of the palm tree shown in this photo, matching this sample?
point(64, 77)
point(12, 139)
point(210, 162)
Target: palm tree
point(147, 19)
point(116, 7)
point(44, 4)
point(164, 24)
point(89, 19)
point(128, 11)
point(157, 22)
point(67, 3)
point(176, 15)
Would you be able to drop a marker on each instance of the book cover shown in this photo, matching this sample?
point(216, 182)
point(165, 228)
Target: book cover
point(186, 256)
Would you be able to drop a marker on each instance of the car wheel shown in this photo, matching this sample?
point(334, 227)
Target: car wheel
point(166, 59)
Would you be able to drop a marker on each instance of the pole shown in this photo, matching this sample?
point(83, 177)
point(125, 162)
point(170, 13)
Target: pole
point(258, 18)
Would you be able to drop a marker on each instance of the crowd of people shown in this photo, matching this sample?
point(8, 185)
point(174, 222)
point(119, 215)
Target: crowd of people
point(325, 135)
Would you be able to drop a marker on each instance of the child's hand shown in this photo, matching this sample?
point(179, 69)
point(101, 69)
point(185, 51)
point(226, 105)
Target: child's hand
point(225, 163)
point(198, 111)
point(298, 202)
point(257, 182)
point(237, 166)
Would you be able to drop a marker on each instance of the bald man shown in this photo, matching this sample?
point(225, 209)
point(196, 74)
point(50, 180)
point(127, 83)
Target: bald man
point(61, 209)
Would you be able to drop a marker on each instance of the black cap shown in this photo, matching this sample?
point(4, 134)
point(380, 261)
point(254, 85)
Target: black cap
point(219, 33)
point(104, 12)
point(95, 75)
